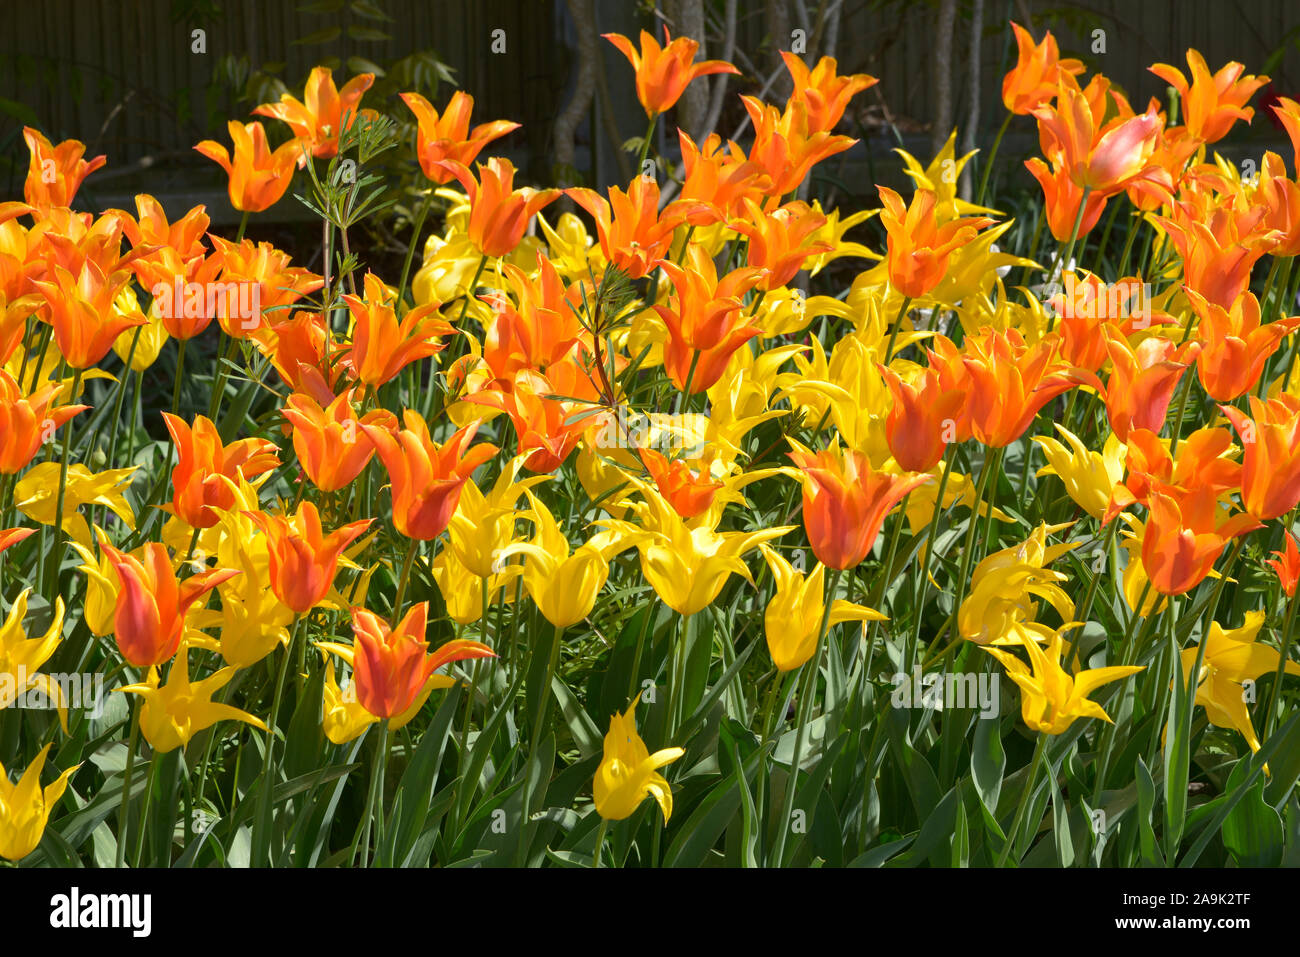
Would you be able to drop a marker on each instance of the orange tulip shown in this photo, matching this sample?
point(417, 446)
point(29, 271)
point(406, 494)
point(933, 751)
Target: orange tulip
point(547, 428)
point(1142, 381)
point(1219, 239)
point(845, 502)
point(499, 214)
point(1288, 113)
point(1061, 199)
point(258, 176)
point(330, 442)
point(1088, 309)
point(949, 363)
point(448, 137)
point(381, 346)
point(12, 536)
point(824, 92)
point(722, 181)
point(390, 667)
point(543, 329)
point(923, 419)
point(55, 173)
point(689, 493)
point(28, 421)
point(204, 463)
point(634, 234)
point(1280, 198)
point(1011, 381)
point(784, 148)
point(278, 284)
point(302, 349)
point(779, 240)
point(303, 559)
point(82, 314)
point(704, 319)
point(1202, 463)
point(1105, 159)
point(663, 73)
point(1031, 83)
point(918, 245)
point(1184, 537)
point(1270, 465)
point(149, 618)
point(1234, 346)
point(426, 477)
point(1211, 103)
point(1287, 566)
point(318, 122)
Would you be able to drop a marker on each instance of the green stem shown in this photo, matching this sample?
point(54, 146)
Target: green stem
point(988, 165)
point(600, 842)
point(122, 817)
point(1284, 655)
point(898, 324)
point(805, 715)
point(1023, 806)
point(56, 551)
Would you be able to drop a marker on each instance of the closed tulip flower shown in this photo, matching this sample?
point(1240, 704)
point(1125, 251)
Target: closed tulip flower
point(149, 619)
point(1184, 536)
point(1234, 345)
point(629, 773)
point(27, 421)
point(1089, 477)
point(82, 313)
point(64, 162)
point(1142, 381)
point(919, 245)
point(499, 213)
point(845, 502)
point(426, 477)
point(1287, 566)
point(923, 419)
point(792, 619)
point(1270, 477)
point(304, 559)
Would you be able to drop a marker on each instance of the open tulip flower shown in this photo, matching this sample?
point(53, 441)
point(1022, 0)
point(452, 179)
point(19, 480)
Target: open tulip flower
point(664, 71)
point(318, 122)
point(448, 136)
point(392, 666)
point(743, 438)
point(25, 807)
point(258, 176)
point(1051, 698)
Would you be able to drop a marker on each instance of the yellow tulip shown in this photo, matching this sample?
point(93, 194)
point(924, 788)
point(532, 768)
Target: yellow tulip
point(1089, 477)
point(686, 566)
point(462, 590)
point(792, 620)
point(20, 657)
point(1232, 657)
point(175, 712)
point(483, 525)
point(628, 772)
point(102, 585)
point(573, 251)
point(564, 585)
point(1000, 609)
point(153, 336)
point(37, 494)
point(1050, 699)
point(25, 807)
